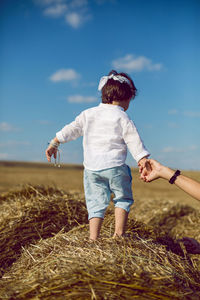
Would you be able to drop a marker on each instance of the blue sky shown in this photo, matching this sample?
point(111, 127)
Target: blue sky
point(53, 53)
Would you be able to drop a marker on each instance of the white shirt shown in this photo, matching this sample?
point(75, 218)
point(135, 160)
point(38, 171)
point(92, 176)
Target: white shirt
point(107, 132)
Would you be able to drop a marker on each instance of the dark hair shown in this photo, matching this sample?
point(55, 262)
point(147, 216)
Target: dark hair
point(114, 90)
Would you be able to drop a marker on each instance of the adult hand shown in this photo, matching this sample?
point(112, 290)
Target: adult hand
point(157, 170)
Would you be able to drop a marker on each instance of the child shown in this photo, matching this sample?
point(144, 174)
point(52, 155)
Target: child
point(107, 132)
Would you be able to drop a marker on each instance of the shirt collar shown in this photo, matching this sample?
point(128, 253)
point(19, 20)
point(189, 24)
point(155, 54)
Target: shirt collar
point(111, 106)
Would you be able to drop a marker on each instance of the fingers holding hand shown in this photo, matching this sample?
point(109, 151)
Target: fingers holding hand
point(148, 166)
point(144, 175)
point(140, 169)
point(145, 170)
point(151, 170)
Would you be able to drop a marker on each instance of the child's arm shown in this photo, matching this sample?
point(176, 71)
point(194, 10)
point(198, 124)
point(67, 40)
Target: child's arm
point(134, 143)
point(52, 149)
point(68, 133)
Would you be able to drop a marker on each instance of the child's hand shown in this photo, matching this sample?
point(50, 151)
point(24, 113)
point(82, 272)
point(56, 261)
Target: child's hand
point(51, 151)
point(142, 164)
point(144, 168)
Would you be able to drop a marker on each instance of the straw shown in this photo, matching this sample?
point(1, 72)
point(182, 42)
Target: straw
point(46, 253)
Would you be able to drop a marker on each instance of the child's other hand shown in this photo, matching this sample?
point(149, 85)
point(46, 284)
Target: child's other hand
point(51, 151)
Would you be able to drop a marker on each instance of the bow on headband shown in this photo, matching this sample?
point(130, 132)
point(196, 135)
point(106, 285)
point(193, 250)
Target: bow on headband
point(105, 79)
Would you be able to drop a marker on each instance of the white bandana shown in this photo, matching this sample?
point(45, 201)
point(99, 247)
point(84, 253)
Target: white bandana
point(105, 79)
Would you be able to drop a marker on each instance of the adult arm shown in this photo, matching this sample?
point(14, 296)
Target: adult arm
point(157, 170)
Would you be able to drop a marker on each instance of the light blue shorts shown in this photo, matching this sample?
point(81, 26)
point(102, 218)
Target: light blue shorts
point(99, 185)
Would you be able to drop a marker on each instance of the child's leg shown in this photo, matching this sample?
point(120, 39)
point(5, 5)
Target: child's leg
point(97, 196)
point(95, 226)
point(121, 186)
point(121, 217)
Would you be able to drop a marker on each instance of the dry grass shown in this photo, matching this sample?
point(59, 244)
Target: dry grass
point(46, 254)
point(69, 177)
point(35, 213)
point(15, 174)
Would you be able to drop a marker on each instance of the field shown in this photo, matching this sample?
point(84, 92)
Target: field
point(46, 254)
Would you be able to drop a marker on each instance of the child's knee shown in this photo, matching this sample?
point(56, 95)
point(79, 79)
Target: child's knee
point(124, 204)
point(96, 214)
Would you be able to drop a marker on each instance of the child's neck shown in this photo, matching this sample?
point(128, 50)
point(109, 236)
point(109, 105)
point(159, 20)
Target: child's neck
point(123, 104)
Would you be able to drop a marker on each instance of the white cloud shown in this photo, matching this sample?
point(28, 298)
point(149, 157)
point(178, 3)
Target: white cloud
point(170, 149)
point(56, 10)
point(14, 143)
point(74, 19)
point(75, 12)
point(193, 147)
point(6, 127)
point(192, 114)
point(64, 75)
point(132, 63)
point(81, 99)
point(3, 155)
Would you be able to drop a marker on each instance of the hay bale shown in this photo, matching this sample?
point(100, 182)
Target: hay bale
point(166, 220)
point(187, 226)
point(145, 208)
point(46, 253)
point(33, 214)
point(68, 266)
point(28, 191)
point(174, 231)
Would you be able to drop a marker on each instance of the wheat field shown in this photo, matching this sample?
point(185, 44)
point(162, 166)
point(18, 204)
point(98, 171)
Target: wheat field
point(46, 254)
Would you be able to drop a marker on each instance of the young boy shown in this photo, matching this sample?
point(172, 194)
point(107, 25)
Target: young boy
point(107, 132)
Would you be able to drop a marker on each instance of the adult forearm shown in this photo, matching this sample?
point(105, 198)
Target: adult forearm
point(185, 183)
point(156, 170)
point(188, 185)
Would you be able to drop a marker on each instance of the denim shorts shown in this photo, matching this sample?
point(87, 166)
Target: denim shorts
point(99, 185)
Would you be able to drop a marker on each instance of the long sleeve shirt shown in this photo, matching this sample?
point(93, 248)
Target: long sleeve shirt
point(107, 133)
